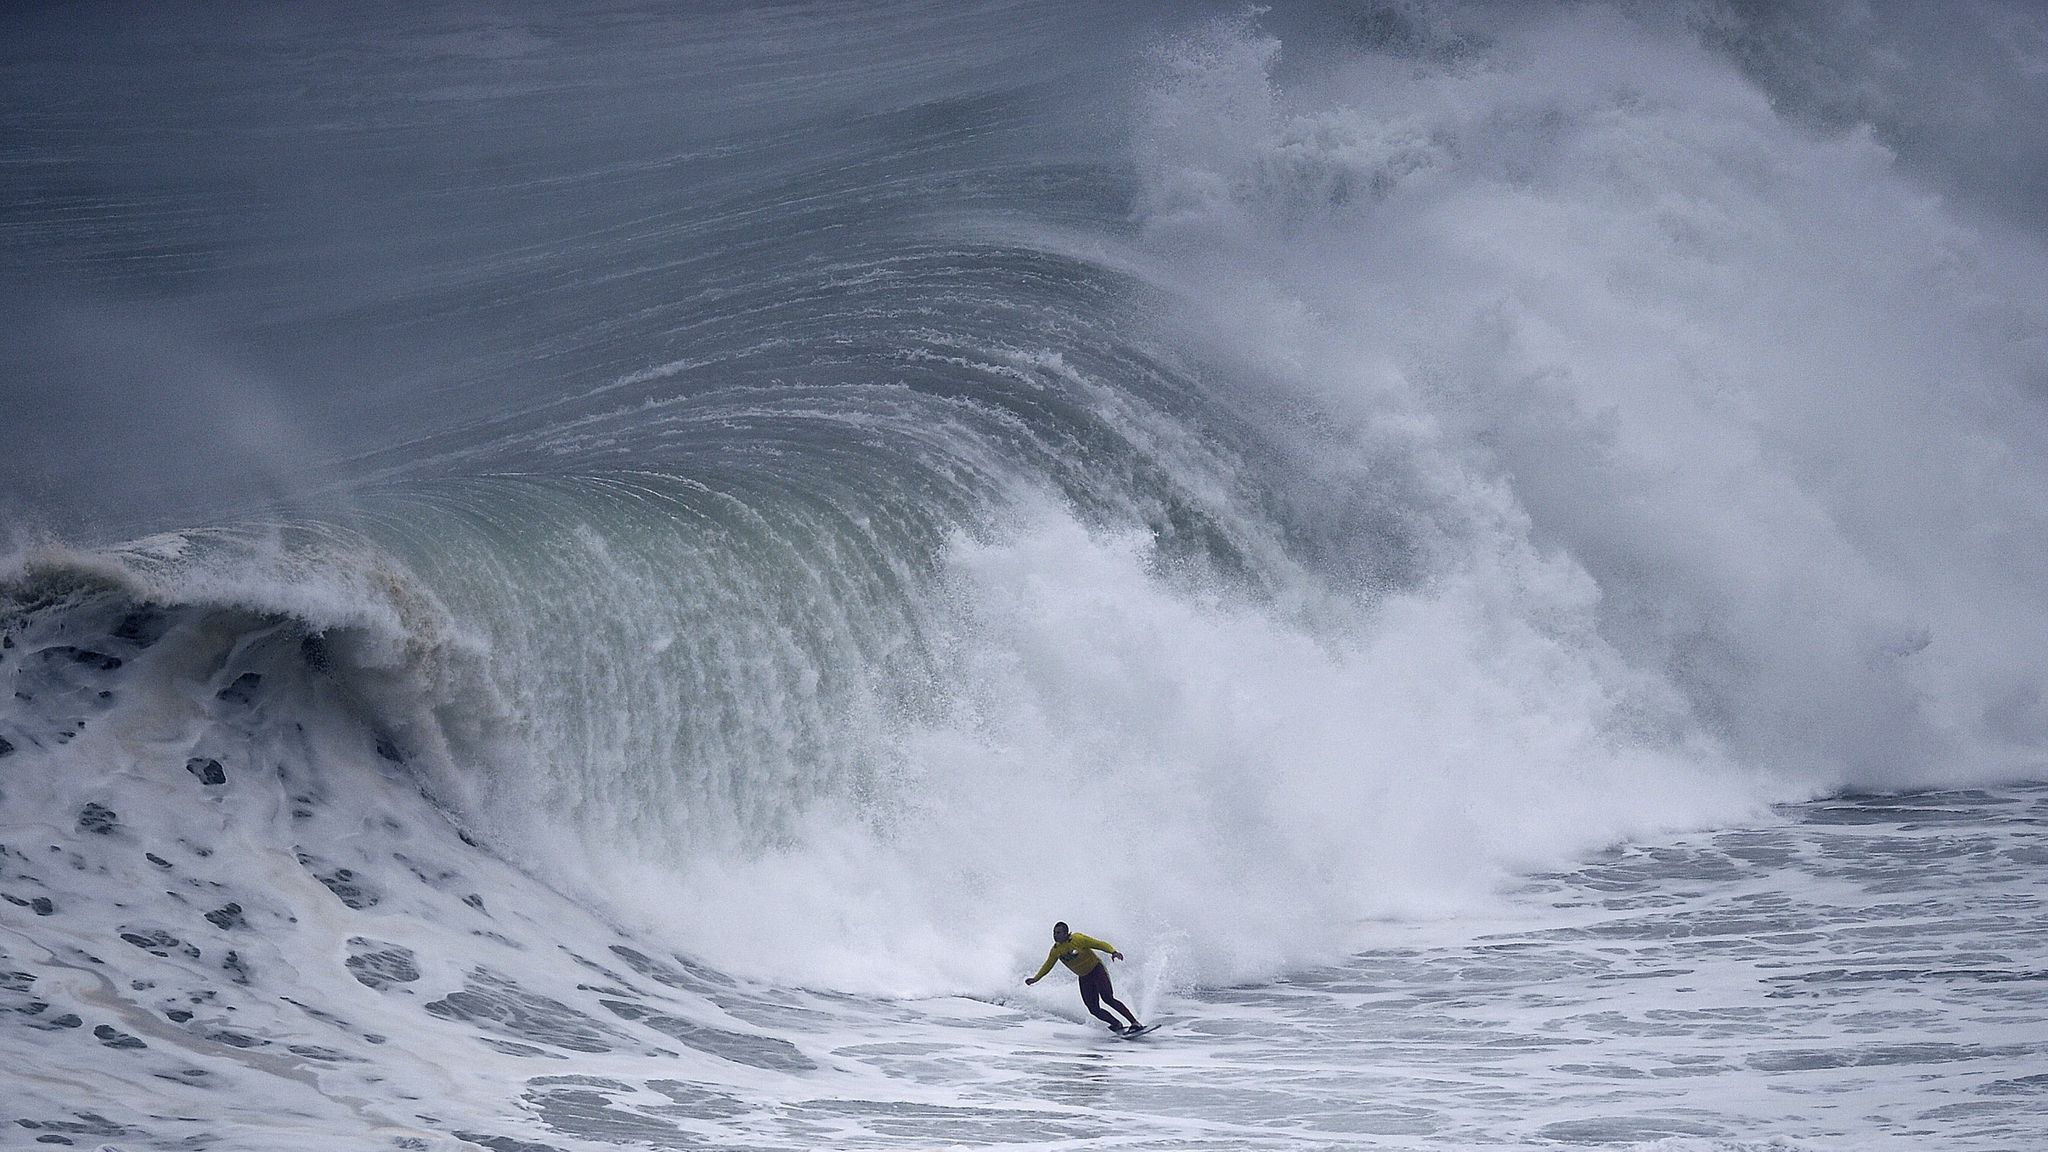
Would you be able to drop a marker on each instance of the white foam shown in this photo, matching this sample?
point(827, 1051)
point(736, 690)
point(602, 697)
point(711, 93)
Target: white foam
point(1231, 793)
point(1766, 390)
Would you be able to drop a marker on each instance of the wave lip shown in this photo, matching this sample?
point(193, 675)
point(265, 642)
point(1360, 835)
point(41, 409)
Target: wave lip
point(327, 612)
point(228, 873)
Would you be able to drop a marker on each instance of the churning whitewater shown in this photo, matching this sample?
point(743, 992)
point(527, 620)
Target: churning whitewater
point(597, 575)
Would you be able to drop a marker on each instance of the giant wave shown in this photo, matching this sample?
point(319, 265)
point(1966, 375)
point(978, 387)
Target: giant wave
point(852, 502)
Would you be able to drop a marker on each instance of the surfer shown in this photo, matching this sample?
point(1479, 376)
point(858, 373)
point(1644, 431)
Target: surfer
point(1078, 952)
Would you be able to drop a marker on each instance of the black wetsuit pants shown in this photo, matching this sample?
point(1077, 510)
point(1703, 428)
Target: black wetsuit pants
point(1095, 988)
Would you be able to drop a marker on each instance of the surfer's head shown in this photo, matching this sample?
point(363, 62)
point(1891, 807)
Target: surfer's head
point(1060, 933)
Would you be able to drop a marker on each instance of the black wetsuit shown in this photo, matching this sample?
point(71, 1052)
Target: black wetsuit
point(1095, 987)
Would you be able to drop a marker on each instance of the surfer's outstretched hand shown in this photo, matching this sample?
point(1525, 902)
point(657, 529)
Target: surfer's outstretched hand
point(1031, 980)
point(1116, 955)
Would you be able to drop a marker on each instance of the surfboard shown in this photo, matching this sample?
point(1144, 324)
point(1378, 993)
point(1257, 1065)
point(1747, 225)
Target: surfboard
point(1128, 1033)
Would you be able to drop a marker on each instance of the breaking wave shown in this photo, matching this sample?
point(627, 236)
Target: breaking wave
point(1389, 461)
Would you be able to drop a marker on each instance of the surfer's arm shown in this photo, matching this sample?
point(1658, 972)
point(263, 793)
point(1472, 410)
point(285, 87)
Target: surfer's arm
point(1050, 957)
point(1092, 942)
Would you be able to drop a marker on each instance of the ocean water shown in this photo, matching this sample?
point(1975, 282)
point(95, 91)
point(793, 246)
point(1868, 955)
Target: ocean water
point(596, 575)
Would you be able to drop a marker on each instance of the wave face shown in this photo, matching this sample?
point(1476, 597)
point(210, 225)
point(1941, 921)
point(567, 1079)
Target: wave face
point(839, 485)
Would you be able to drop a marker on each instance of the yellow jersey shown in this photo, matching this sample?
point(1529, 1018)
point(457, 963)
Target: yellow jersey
point(1075, 953)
